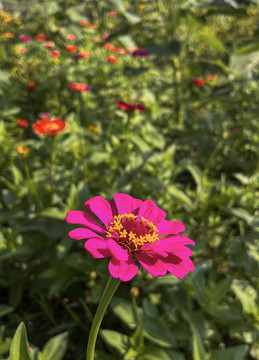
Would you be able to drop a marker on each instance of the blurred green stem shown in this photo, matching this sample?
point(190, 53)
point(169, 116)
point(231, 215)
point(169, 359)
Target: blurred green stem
point(109, 291)
point(32, 187)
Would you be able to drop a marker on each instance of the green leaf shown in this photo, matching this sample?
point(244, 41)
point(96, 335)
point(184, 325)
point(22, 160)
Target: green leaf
point(5, 310)
point(19, 348)
point(55, 348)
point(198, 348)
point(246, 294)
point(180, 195)
point(123, 309)
point(53, 213)
point(158, 333)
point(115, 340)
point(242, 66)
point(233, 353)
point(212, 40)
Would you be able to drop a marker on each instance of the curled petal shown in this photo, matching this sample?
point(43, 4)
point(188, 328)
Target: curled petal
point(82, 218)
point(101, 208)
point(124, 270)
point(152, 264)
point(150, 211)
point(81, 233)
point(170, 227)
point(117, 251)
point(126, 204)
point(97, 247)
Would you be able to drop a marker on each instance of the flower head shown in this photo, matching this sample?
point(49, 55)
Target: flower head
point(140, 52)
point(31, 85)
point(87, 24)
point(132, 230)
point(9, 35)
point(25, 38)
point(55, 53)
point(130, 106)
point(45, 115)
point(23, 150)
point(48, 127)
point(70, 36)
point(22, 123)
point(84, 54)
point(49, 44)
point(40, 37)
point(71, 48)
point(79, 87)
point(200, 82)
point(112, 14)
point(211, 77)
point(112, 59)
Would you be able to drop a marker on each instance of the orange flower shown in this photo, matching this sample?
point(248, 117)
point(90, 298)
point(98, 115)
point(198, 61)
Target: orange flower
point(79, 87)
point(71, 48)
point(21, 50)
point(23, 150)
point(9, 35)
point(49, 44)
point(48, 127)
point(92, 127)
point(87, 24)
point(84, 54)
point(71, 36)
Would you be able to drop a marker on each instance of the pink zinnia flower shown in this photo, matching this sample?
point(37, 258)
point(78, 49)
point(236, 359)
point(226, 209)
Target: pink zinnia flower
point(130, 106)
point(140, 52)
point(25, 38)
point(79, 87)
point(55, 53)
point(131, 230)
point(45, 115)
point(105, 35)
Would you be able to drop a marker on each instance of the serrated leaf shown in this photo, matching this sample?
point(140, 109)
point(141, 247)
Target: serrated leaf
point(19, 348)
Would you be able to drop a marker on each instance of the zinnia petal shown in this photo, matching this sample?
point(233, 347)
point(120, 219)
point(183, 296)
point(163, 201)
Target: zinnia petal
point(174, 240)
point(126, 203)
point(81, 233)
point(149, 210)
point(170, 227)
point(124, 270)
point(152, 264)
point(97, 247)
point(180, 269)
point(101, 208)
point(117, 251)
point(82, 218)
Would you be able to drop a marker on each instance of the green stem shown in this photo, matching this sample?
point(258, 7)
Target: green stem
point(32, 187)
point(109, 291)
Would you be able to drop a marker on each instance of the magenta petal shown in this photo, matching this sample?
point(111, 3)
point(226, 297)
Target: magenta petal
point(117, 251)
point(182, 252)
point(82, 218)
point(170, 227)
point(101, 208)
point(153, 250)
point(180, 269)
point(124, 270)
point(97, 247)
point(114, 208)
point(152, 264)
point(81, 233)
point(150, 211)
point(126, 204)
point(176, 240)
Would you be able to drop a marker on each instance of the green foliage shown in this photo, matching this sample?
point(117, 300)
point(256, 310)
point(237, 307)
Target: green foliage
point(194, 151)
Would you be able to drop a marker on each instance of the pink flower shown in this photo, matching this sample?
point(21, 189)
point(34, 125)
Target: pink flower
point(55, 53)
point(45, 115)
point(105, 35)
point(112, 14)
point(49, 44)
point(131, 230)
point(25, 38)
point(140, 52)
point(79, 87)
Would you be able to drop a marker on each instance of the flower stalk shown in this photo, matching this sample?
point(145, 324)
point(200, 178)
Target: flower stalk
point(109, 291)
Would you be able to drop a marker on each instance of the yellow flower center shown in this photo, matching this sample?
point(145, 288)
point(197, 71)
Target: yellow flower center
point(132, 234)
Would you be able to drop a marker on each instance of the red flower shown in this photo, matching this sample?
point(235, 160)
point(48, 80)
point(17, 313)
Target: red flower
point(40, 37)
point(70, 36)
point(112, 14)
point(112, 59)
point(48, 127)
point(84, 54)
point(200, 82)
point(71, 48)
point(130, 106)
point(79, 87)
point(132, 232)
point(211, 77)
point(31, 85)
point(87, 24)
point(22, 123)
